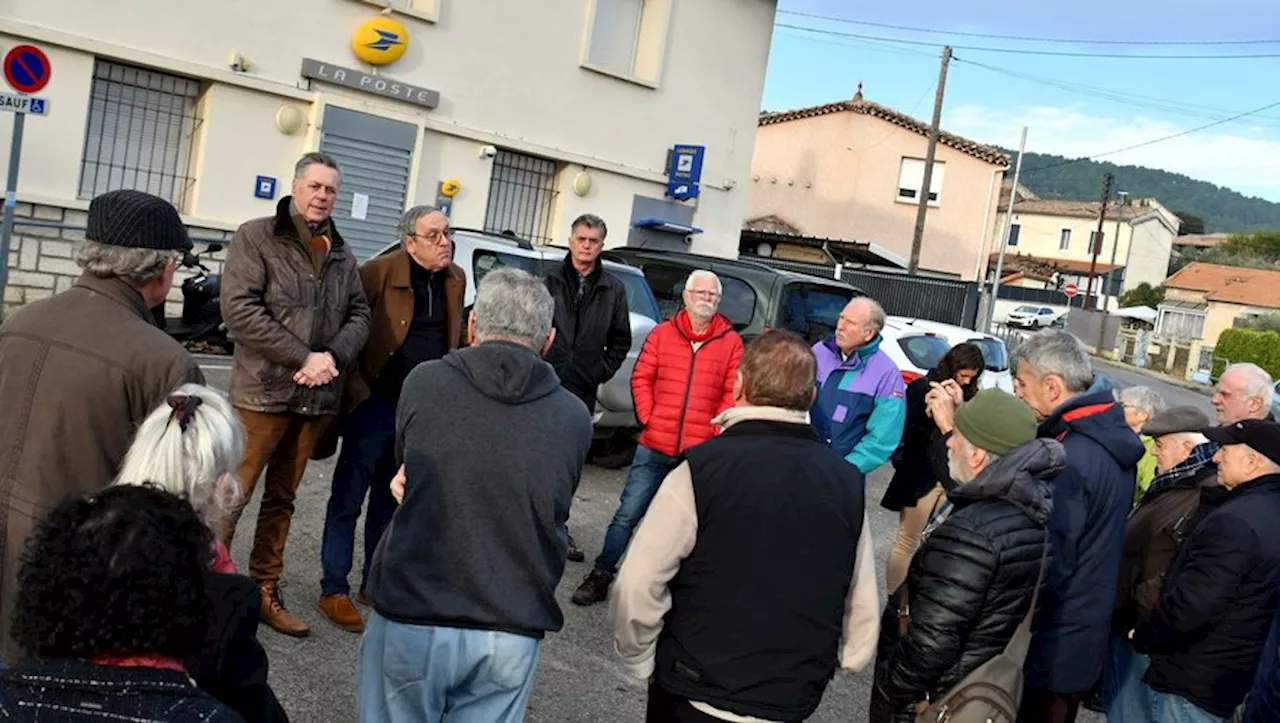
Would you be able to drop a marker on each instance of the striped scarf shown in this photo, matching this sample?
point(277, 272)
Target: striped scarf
point(1201, 456)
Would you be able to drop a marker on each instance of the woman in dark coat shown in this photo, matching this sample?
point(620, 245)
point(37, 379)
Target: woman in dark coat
point(920, 464)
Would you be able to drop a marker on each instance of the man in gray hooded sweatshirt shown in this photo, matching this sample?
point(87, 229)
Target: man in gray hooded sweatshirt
point(463, 582)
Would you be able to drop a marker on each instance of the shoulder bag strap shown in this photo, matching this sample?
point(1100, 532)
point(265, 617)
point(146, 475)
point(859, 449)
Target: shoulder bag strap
point(1020, 643)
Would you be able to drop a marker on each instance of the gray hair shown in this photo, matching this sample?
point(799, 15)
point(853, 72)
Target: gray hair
point(1195, 438)
point(1054, 351)
point(704, 274)
point(198, 463)
point(1257, 382)
point(874, 309)
point(591, 221)
point(1143, 398)
point(970, 447)
point(408, 225)
point(136, 266)
point(314, 158)
point(513, 305)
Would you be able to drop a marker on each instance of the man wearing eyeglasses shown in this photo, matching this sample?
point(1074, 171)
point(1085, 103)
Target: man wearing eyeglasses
point(416, 298)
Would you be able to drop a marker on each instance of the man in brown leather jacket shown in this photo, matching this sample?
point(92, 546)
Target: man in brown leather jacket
point(292, 299)
point(416, 294)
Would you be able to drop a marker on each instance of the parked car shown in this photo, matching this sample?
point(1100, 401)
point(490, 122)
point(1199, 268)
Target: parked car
point(756, 297)
point(616, 428)
point(1029, 316)
point(917, 345)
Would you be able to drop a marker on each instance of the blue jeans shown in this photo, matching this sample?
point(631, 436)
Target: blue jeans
point(366, 464)
point(419, 673)
point(1133, 701)
point(647, 472)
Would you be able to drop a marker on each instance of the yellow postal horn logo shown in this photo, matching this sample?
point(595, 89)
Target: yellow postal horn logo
point(380, 41)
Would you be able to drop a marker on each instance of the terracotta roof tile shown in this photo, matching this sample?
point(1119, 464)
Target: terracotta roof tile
point(1230, 284)
point(1075, 209)
point(1027, 262)
point(866, 107)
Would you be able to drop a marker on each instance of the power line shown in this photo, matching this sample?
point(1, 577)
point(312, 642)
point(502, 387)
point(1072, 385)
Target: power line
point(1024, 38)
point(1019, 51)
point(865, 45)
point(1153, 141)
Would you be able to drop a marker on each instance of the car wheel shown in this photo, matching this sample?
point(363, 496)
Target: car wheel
point(613, 452)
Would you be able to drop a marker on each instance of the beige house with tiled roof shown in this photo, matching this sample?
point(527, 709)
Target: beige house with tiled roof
point(853, 170)
point(1059, 233)
point(1202, 300)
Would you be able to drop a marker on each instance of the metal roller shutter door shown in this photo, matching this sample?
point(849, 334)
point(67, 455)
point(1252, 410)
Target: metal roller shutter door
point(374, 155)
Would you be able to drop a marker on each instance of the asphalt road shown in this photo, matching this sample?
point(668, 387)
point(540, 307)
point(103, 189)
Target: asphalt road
point(1174, 394)
point(578, 677)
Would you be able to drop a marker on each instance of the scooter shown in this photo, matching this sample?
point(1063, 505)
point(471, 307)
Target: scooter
point(201, 324)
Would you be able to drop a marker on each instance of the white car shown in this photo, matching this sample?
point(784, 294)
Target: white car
point(1029, 316)
point(917, 345)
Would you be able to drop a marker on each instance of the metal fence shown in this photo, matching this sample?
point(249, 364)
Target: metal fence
point(522, 195)
point(949, 301)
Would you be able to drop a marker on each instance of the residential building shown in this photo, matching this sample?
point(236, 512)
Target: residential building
point(517, 115)
point(1060, 236)
point(854, 170)
point(1202, 300)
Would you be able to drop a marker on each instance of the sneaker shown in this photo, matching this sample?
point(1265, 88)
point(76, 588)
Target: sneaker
point(339, 610)
point(594, 589)
point(575, 555)
point(276, 615)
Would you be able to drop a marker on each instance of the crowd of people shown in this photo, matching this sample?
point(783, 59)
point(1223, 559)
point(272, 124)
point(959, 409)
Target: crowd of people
point(1073, 545)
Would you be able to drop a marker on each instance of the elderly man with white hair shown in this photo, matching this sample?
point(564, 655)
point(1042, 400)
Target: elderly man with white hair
point(1243, 392)
point(1140, 405)
point(682, 380)
point(1185, 468)
point(1206, 634)
point(861, 405)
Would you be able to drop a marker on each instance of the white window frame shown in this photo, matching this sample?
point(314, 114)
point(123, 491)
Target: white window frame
point(1064, 240)
point(911, 179)
point(1181, 323)
point(648, 48)
point(428, 10)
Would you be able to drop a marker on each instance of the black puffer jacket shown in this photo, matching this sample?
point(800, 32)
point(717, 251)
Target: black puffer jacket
point(593, 335)
point(972, 579)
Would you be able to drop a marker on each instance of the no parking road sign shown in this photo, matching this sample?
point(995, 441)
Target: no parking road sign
point(27, 69)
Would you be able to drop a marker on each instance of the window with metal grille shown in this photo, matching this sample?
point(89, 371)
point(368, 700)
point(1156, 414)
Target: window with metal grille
point(141, 132)
point(522, 194)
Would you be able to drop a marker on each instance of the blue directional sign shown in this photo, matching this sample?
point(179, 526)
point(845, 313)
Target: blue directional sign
point(265, 187)
point(685, 174)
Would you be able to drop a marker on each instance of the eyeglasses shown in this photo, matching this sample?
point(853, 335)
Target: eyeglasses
point(703, 294)
point(439, 238)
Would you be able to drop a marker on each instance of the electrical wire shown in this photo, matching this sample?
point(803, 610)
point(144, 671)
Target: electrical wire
point(1021, 51)
point(863, 45)
point(1024, 38)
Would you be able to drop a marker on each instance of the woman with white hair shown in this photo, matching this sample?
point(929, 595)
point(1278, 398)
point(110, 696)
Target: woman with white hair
point(190, 446)
point(1141, 404)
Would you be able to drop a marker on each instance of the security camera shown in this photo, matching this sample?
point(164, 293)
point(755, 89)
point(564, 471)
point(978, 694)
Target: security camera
point(488, 152)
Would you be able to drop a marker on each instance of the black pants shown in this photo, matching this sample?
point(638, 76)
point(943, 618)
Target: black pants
point(667, 708)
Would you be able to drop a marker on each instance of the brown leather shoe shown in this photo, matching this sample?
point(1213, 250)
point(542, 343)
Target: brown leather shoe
point(362, 598)
point(275, 614)
point(338, 610)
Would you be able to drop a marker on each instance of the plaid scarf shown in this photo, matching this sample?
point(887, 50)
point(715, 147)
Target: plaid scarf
point(1201, 456)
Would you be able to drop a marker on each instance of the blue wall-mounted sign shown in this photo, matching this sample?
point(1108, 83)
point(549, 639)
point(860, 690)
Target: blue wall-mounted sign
point(686, 172)
point(265, 187)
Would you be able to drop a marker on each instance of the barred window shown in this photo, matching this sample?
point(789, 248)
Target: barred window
point(522, 194)
point(141, 132)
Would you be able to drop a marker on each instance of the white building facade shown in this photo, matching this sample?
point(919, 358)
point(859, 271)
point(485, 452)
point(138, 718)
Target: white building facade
point(518, 115)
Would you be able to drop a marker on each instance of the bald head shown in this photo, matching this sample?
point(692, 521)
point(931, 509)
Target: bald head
point(859, 323)
point(1243, 392)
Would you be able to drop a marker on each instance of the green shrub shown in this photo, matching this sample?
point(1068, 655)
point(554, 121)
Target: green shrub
point(1249, 345)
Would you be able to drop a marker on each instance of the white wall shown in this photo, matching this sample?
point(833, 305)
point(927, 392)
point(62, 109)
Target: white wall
point(507, 70)
point(1149, 261)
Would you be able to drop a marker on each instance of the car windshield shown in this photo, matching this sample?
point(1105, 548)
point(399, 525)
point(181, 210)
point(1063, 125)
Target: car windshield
point(640, 299)
point(812, 311)
point(993, 353)
point(1027, 310)
point(923, 350)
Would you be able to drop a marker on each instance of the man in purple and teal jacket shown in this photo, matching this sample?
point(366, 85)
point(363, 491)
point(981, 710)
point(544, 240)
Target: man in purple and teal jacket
point(861, 403)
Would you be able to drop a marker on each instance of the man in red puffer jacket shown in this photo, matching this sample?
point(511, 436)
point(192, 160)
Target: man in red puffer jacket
point(683, 379)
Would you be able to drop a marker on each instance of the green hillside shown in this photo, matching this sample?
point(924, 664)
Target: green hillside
point(1222, 209)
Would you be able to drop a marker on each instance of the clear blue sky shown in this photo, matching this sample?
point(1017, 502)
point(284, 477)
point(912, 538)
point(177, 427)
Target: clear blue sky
point(1155, 97)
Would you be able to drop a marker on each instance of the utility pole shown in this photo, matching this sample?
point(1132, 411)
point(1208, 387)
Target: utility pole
point(1096, 242)
point(1004, 234)
point(925, 184)
point(1115, 246)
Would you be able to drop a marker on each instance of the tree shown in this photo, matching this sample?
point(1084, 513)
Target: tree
point(1142, 295)
point(1191, 224)
point(1263, 244)
point(1265, 322)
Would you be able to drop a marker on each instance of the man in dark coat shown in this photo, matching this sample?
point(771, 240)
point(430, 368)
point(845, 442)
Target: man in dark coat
point(1206, 635)
point(593, 325)
point(80, 371)
point(1091, 501)
point(972, 581)
point(1264, 698)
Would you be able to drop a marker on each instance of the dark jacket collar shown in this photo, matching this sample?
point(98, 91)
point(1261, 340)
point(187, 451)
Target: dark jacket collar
point(119, 291)
point(771, 428)
point(1096, 415)
point(571, 274)
point(284, 224)
point(1218, 495)
point(1019, 478)
point(402, 266)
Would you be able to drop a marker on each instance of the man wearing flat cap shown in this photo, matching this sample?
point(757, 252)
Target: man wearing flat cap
point(80, 370)
point(1160, 521)
point(1206, 633)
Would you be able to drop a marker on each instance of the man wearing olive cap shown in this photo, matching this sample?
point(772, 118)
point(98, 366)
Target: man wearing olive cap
point(80, 370)
point(1207, 631)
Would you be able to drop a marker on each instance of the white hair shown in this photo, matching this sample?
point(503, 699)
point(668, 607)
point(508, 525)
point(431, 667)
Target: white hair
point(1194, 438)
point(1058, 352)
point(875, 312)
point(197, 463)
point(136, 266)
point(514, 305)
point(704, 274)
point(1257, 382)
point(1144, 398)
